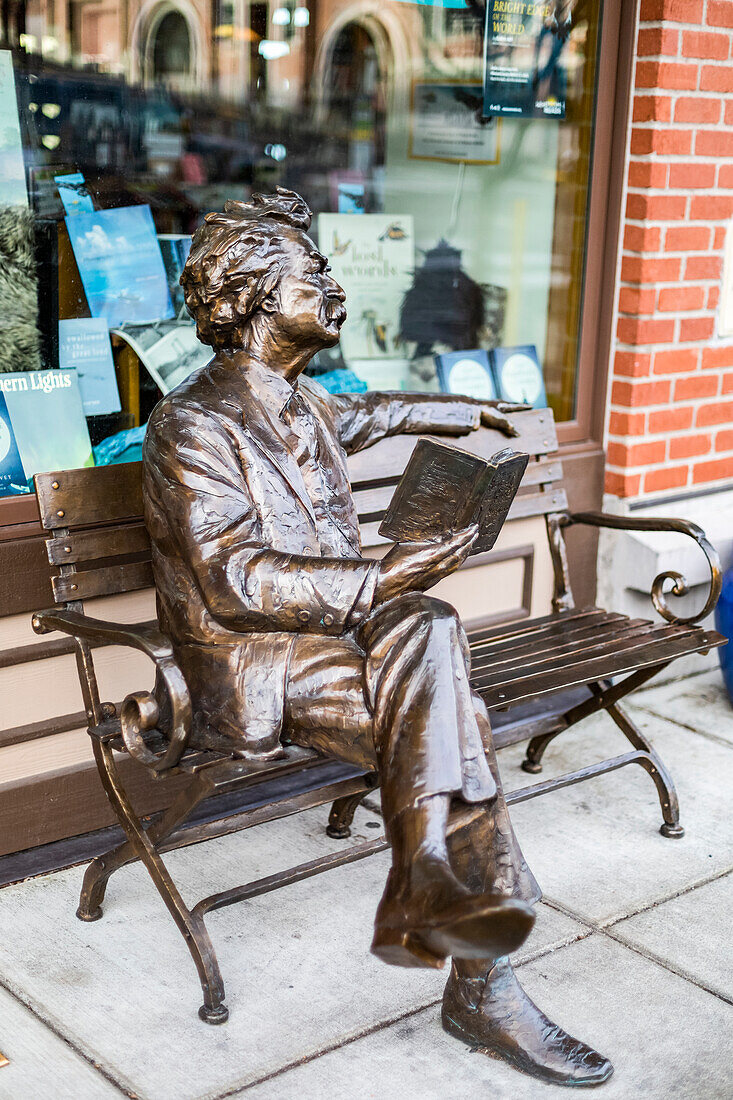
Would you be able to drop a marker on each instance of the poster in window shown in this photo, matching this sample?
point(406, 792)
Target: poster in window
point(446, 124)
point(372, 256)
point(170, 351)
point(12, 170)
point(120, 264)
point(524, 60)
point(84, 347)
point(48, 420)
point(12, 475)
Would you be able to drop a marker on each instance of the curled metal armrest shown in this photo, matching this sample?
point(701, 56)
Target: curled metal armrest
point(679, 584)
point(139, 711)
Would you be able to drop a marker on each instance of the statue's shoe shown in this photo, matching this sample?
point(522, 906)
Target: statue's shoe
point(465, 926)
point(504, 1023)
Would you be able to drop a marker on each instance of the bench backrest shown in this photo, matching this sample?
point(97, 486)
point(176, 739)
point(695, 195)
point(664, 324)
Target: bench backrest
point(100, 547)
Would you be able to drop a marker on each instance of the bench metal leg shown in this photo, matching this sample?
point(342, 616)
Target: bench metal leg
point(101, 869)
point(342, 815)
point(665, 787)
point(191, 926)
point(607, 698)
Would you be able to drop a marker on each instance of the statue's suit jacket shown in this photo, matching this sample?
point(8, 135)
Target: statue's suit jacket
point(236, 550)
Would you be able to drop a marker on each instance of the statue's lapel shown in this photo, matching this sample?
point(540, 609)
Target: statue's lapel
point(264, 430)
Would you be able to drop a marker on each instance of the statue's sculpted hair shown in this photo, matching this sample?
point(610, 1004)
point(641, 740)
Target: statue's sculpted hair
point(236, 261)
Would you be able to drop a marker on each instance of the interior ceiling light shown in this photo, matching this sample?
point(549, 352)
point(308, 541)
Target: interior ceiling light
point(301, 17)
point(51, 141)
point(271, 50)
point(51, 110)
point(281, 17)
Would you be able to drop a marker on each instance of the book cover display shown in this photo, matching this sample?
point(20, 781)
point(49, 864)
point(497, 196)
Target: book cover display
point(372, 256)
point(120, 264)
point(84, 347)
point(467, 373)
point(12, 474)
point(524, 66)
point(518, 375)
point(47, 419)
point(509, 374)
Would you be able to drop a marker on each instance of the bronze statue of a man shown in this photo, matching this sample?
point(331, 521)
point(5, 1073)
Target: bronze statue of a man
point(286, 633)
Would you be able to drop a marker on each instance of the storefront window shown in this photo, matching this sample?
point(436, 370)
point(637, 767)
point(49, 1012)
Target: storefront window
point(456, 224)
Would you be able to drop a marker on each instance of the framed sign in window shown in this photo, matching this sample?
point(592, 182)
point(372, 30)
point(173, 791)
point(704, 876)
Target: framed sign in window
point(446, 124)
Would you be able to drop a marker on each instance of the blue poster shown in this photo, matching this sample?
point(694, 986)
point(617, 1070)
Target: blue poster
point(84, 346)
point(12, 475)
point(74, 193)
point(120, 264)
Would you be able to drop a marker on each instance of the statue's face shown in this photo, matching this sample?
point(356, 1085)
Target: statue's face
point(309, 303)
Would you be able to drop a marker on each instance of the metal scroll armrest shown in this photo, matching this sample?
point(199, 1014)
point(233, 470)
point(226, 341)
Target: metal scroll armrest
point(679, 584)
point(139, 711)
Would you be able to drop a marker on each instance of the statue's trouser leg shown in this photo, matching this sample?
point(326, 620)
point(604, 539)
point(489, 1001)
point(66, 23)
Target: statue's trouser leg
point(390, 698)
point(397, 697)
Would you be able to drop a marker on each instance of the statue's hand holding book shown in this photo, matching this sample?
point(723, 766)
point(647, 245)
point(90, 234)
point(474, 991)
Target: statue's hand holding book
point(445, 489)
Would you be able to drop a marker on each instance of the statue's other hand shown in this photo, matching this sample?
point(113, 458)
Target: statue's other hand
point(492, 416)
point(417, 566)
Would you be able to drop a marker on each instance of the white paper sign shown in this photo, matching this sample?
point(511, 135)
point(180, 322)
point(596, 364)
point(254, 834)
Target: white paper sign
point(372, 256)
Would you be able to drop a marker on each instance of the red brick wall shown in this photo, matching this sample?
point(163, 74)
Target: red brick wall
point(671, 397)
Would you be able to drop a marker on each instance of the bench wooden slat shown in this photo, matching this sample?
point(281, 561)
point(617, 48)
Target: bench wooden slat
point(614, 627)
point(556, 658)
point(536, 436)
point(372, 503)
point(101, 494)
point(110, 581)
point(536, 635)
point(80, 546)
point(556, 620)
point(542, 472)
point(615, 663)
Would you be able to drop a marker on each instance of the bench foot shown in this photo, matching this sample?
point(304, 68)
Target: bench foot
point(342, 815)
point(217, 1015)
point(674, 832)
point(140, 845)
point(89, 915)
point(532, 766)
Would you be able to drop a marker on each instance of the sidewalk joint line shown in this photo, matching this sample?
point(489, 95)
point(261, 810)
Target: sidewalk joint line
point(683, 725)
point(380, 1026)
point(643, 952)
point(100, 1069)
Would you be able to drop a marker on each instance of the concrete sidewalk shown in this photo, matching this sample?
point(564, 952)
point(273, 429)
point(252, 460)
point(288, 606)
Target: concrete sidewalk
point(631, 950)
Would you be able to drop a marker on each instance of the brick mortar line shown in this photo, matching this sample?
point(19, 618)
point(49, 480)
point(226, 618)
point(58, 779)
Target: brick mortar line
point(97, 1066)
point(374, 1029)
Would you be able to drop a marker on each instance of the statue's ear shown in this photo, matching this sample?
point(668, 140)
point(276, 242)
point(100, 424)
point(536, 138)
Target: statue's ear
point(269, 296)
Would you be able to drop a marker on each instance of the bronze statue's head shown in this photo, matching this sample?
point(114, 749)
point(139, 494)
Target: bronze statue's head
point(254, 264)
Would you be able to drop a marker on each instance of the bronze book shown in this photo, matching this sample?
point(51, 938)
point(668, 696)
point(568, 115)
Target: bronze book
point(444, 489)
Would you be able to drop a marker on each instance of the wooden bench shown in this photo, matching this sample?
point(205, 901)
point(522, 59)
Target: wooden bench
point(538, 677)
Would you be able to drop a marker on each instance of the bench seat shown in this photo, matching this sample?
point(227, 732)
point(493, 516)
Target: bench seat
point(513, 663)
